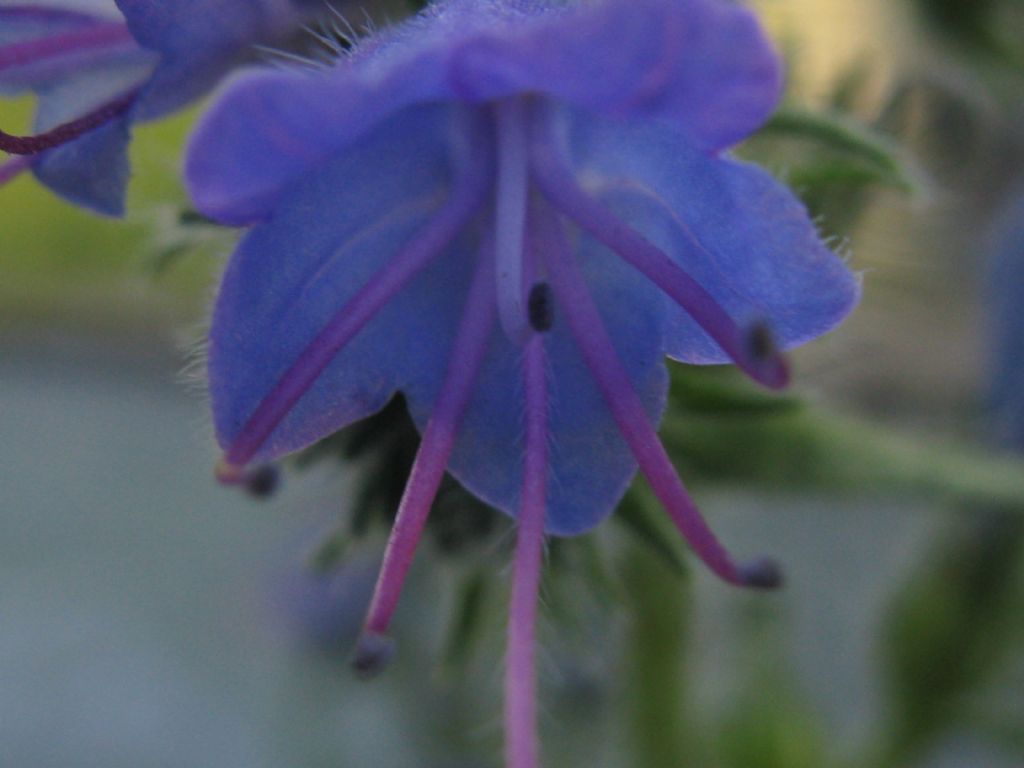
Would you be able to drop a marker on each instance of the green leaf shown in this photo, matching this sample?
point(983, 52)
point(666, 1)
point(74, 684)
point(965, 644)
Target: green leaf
point(721, 390)
point(662, 732)
point(856, 145)
point(814, 449)
point(950, 630)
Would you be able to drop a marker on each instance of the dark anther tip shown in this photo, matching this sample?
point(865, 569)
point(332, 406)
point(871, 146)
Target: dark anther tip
point(761, 342)
point(263, 481)
point(540, 307)
point(763, 573)
point(257, 481)
point(770, 366)
point(373, 653)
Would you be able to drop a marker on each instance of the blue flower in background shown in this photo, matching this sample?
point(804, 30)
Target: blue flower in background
point(97, 68)
point(1006, 313)
point(511, 211)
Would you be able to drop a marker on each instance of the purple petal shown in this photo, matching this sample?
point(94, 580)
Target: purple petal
point(291, 275)
point(199, 42)
point(34, 53)
point(21, 22)
point(91, 171)
point(703, 65)
point(1005, 294)
point(745, 237)
point(709, 70)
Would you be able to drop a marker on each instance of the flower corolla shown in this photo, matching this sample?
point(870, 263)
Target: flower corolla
point(511, 211)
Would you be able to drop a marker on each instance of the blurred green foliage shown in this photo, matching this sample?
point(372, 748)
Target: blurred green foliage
point(63, 266)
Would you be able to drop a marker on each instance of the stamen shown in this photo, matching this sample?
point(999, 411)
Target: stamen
point(541, 309)
point(510, 215)
point(96, 36)
point(260, 482)
point(13, 168)
point(628, 411)
point(62, 134)
point(427, 244)
point(428, 469)
point(558, 183)
point(521, 747)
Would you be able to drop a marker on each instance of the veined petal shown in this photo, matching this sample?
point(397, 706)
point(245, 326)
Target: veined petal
point(291, 275)
point(590, 464)
point(702, 64)
point(745, 237)
point(91, 171)
point(40, 45)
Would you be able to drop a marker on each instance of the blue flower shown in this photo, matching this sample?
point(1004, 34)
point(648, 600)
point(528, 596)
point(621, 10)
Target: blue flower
point(96, 71)
point(1006, 332)
point(511, 211)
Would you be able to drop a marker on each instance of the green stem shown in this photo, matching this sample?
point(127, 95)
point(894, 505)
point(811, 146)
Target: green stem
point(656, 652)
point(814, 449)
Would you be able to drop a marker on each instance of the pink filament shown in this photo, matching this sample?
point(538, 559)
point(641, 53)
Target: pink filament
point(628, 411)
point(464, 364)
point(62, 134)
point(521, 747)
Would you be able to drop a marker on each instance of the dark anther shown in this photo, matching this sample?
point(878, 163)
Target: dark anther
point(540, 307)
point(761, 574)
point(760, 342)
point(373, 653)
point(262, 481)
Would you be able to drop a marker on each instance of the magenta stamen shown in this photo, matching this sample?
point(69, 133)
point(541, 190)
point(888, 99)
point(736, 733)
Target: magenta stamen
point(558, 183)
point(521, 746)
point(427, 244)
point(62, 134)
point(13, 168)
point(97, 36)
point(628, 411)
point(468, 351)
point(510, 215)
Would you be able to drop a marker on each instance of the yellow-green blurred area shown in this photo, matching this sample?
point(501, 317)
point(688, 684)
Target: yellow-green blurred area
point(63, 266)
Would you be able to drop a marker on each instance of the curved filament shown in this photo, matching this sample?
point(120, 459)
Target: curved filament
point(628, 411)
point(62, 134)
point(468, 351)
point(762, 362)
